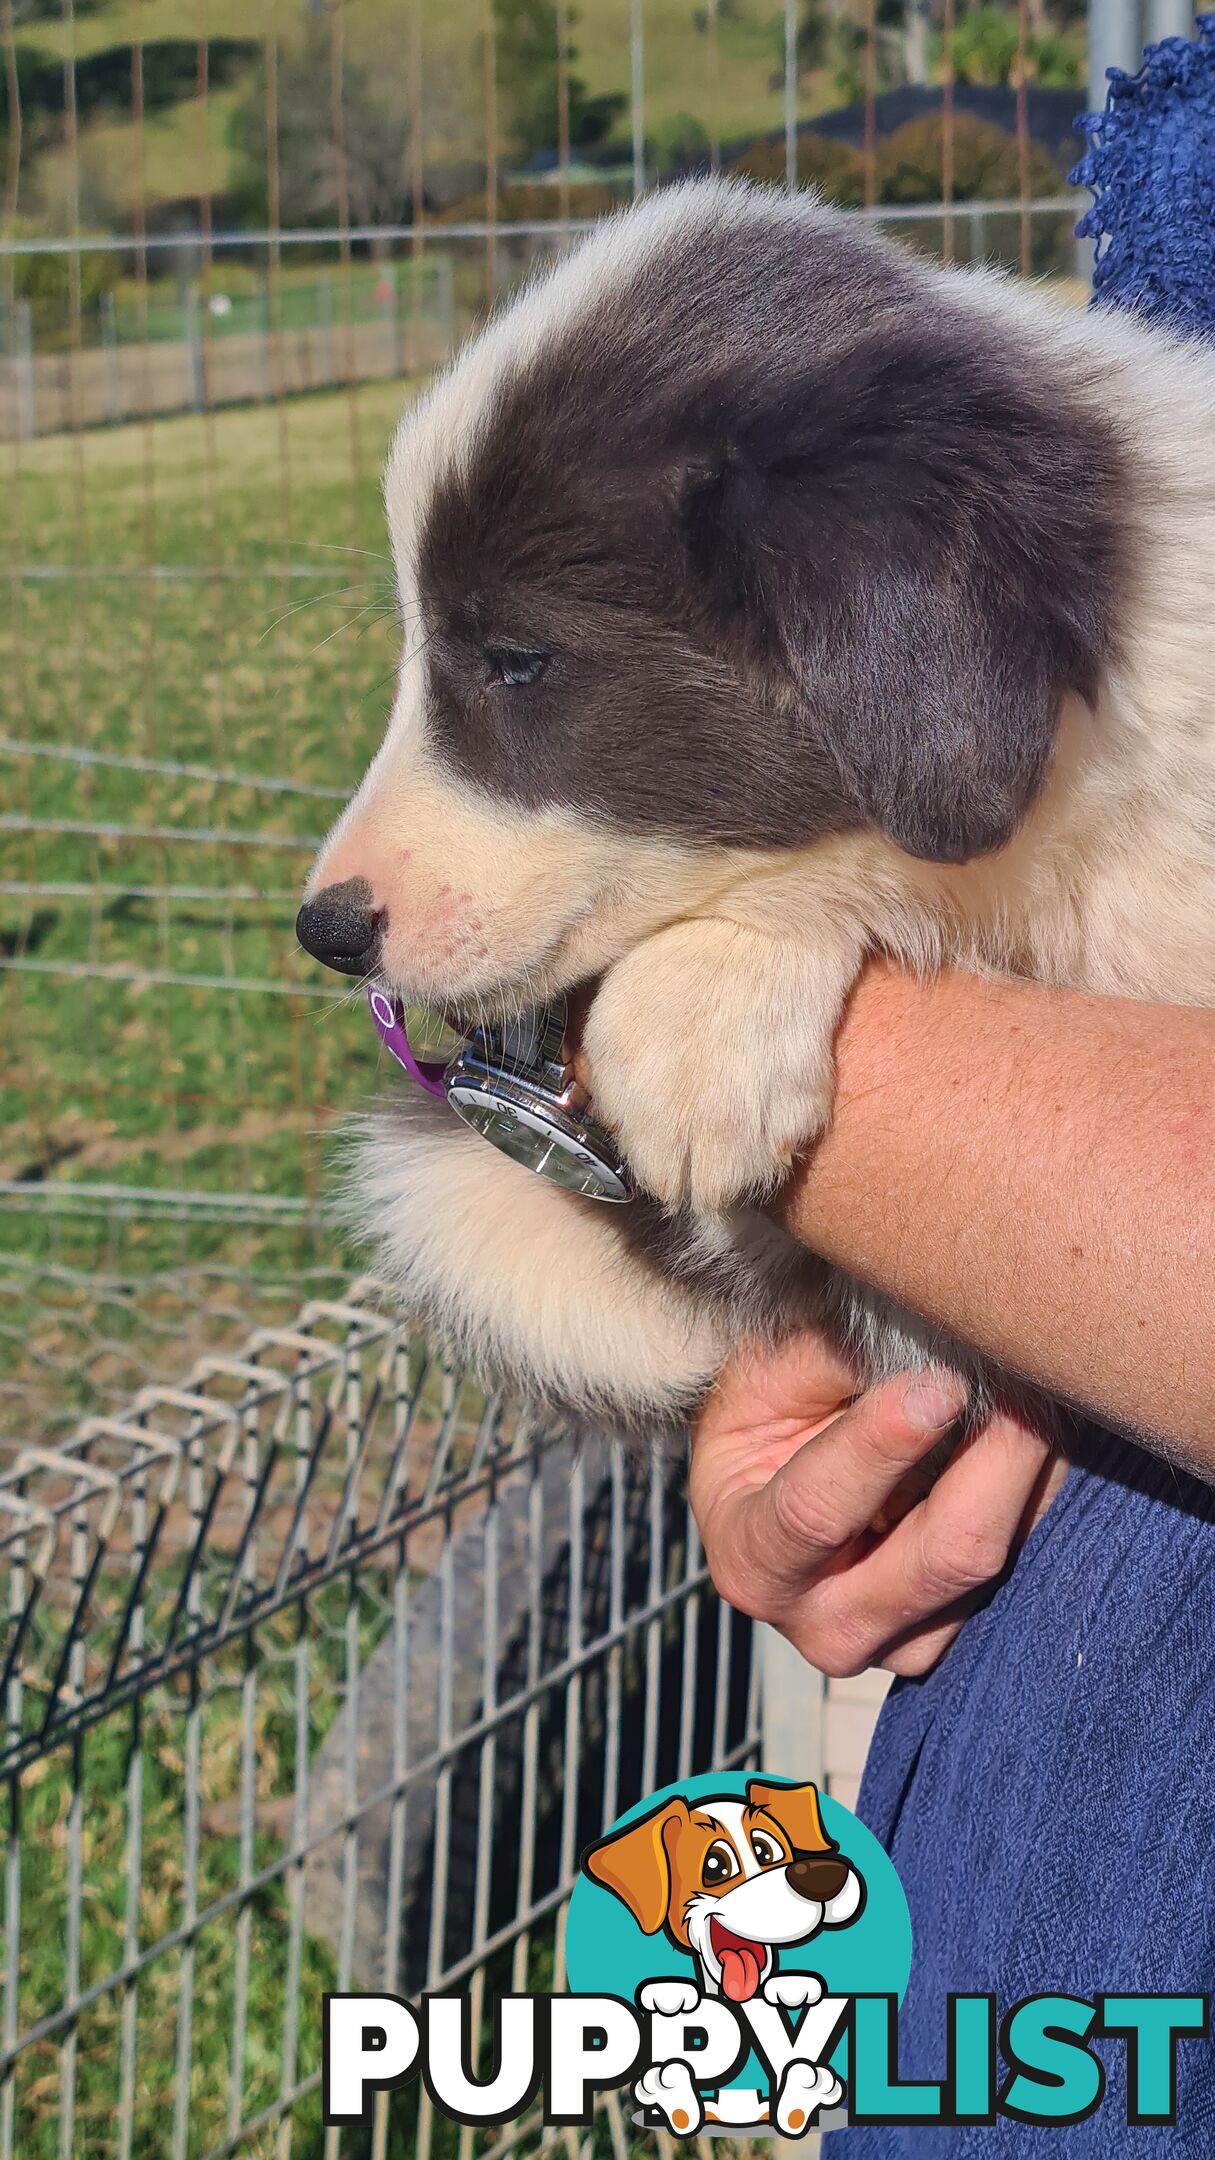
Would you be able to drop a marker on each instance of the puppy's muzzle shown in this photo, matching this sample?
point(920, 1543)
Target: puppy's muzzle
point(343, 927)
point(817, 1876)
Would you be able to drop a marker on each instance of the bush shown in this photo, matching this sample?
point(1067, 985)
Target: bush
point(46, 282)
point(834, 168)
point(677, 145)
point(530, 202)
point(910, 162)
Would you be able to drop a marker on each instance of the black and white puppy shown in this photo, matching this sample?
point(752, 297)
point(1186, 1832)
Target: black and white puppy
point(770, 597)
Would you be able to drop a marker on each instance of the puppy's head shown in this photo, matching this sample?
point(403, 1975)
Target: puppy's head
point(739, 531)
point(730, 1880)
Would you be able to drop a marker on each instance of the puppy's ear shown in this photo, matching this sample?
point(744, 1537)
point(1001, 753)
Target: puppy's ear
point(925, 550)
point(635, 1865)
point(796, 1809)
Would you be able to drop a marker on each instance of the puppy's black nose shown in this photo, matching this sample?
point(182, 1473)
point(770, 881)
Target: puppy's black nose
point(820, 1876)
point(341, 927)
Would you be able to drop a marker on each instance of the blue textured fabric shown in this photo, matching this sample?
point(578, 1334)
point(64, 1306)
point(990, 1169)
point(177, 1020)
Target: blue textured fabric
point(1048, 1797)
point(1151, 168)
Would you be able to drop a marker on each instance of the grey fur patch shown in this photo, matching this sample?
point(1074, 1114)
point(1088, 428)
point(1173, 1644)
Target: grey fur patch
point(807, 544)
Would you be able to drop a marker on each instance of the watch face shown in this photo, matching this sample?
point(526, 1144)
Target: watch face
point(570, 1152)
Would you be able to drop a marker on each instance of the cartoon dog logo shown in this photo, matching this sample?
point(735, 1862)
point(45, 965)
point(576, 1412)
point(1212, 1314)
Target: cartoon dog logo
point(731, 1881)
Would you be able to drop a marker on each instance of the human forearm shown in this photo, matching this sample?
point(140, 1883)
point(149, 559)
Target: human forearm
point(1035, 1170)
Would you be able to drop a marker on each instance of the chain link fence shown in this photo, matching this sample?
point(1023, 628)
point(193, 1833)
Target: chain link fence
point(319, 1670)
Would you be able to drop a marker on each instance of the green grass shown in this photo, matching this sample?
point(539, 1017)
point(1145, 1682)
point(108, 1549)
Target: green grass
point(239, 669)
point(43, 1826)
point(304, 298)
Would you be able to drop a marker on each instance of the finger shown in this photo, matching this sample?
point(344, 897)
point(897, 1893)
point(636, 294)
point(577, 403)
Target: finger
point(761, 1410)
point(766, 1545)
point(919, 1651)
point(798, 1383)
point(941, 1559)
point(766, 1404)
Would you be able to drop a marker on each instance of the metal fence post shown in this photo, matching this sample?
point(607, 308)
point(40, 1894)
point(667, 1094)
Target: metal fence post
point(792, 1709)
point(1114, 40)
point(389, 311)
point(324, 319)
point(262, 306)
point(23, 369)
point(109, 347)
point(793, 1705)
point(194, 351)
point(790, 95)
point(446, 301)
point(1169, 18)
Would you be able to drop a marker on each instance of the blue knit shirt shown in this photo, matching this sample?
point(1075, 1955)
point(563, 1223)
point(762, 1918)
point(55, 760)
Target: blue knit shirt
point(1047, 1795)
point(1151, 168)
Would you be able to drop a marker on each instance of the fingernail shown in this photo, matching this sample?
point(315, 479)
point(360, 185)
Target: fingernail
point(933, 1400)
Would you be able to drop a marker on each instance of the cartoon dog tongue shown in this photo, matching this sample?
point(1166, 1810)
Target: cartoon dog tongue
point(741, 1963)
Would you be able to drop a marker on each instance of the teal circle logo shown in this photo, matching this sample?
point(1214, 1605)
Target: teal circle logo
point(746, 1893)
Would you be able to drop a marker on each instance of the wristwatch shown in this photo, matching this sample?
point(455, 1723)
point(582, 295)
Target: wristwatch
point(509, 1082)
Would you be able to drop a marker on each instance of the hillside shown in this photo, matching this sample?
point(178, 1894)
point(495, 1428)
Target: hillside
point(731, 89)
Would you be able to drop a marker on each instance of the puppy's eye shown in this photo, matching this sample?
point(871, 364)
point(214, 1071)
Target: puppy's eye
point(765, 1851)
point(718, 1866)
point(516, 667)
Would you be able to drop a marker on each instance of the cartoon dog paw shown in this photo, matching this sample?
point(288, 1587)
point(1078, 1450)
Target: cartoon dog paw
point(804, 2089)
point(793, 1990)
point(669, 2088)
point(668, 1998)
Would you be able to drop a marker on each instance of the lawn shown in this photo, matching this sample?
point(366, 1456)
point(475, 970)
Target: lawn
point(232, 665)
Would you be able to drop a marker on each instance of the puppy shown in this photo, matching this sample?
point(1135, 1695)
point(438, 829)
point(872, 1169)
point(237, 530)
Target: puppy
point(770, 597)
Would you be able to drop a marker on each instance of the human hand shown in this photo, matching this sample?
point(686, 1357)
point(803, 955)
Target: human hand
point(790, 1470)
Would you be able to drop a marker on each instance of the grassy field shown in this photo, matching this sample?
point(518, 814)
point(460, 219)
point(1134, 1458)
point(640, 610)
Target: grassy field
point(732, 88)
point(233, 665)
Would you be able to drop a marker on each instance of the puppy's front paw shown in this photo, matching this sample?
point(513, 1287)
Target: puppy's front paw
point(710, 1050)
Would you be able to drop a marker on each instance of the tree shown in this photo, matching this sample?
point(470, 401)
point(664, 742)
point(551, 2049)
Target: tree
point(834, 168)
point(525, 33)
point(679, 144)
point(830, 37)
point(985, 48)
point(374, 126)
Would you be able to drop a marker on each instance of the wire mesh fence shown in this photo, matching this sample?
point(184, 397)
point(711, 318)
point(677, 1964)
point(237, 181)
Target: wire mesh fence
point(320, 1670)
point(232, 245)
